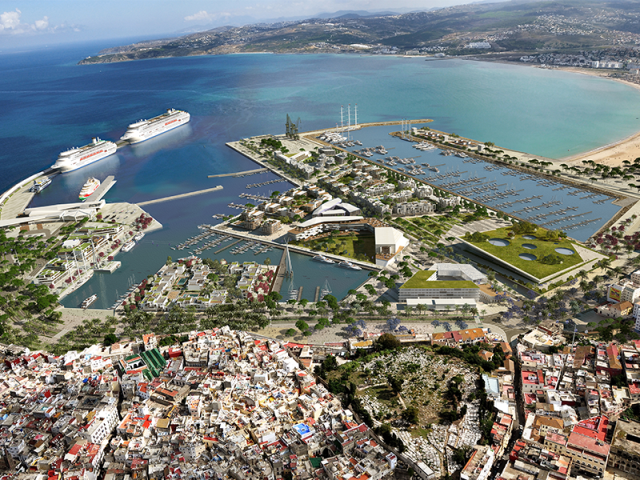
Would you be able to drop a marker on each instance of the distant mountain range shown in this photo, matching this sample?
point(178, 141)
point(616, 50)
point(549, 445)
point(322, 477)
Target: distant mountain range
point(516, 27)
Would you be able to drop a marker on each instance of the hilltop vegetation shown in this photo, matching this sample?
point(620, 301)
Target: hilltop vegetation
point(515, 27)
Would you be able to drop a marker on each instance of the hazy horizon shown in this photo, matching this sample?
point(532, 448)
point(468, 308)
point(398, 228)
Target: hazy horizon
point(42, 22)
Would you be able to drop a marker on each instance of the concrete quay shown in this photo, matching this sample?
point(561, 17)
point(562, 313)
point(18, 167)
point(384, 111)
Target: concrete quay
point(17, 198)
point(225, 229)
point(250, 154)
point(102, 190)
point(364, 125)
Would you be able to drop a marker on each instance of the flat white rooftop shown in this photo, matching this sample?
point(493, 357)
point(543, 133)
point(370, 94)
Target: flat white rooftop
point(442, 301)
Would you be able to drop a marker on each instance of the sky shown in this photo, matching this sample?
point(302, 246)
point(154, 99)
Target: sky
point(26, 23)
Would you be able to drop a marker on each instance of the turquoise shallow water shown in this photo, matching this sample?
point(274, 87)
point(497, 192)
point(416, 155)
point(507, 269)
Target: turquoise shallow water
point(50, 104)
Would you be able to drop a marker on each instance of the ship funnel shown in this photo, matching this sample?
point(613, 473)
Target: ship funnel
point(94, 140)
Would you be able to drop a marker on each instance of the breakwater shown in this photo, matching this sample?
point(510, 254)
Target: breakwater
point(182, 195)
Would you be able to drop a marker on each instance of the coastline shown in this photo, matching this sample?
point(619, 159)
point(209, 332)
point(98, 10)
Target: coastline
point(611, 154)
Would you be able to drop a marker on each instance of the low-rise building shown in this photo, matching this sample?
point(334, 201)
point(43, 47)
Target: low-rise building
point(625, 448)
point(443, 285)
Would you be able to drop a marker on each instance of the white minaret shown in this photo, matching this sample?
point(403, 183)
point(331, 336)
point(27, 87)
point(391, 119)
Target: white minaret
point(341, 118)
point(356, 119)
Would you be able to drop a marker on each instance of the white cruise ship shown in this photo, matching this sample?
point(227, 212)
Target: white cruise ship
point(88, 188)
point(81, 156)
point(146, 129)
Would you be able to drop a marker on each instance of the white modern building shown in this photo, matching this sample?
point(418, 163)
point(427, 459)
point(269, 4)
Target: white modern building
point(389, 243)
point(444, 285)
point(465, 272)
point(336, 208)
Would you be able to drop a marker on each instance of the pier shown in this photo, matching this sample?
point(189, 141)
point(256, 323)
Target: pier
point(280, 272)
point(260, 160)
point(226, 246)
point(102, 190)
point(220, 229)
point(182, 195)
point(522, 200)
point(240, 174)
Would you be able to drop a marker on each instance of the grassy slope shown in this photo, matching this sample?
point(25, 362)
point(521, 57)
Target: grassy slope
point(510, 253)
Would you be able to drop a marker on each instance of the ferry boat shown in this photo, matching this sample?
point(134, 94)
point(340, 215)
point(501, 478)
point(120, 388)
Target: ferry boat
point(79, 157)
point(40, 184)
point(323, 259)
point(348, 264)
point(128, 246)
point(138, 236)
point(88, 301)
point(146, 129)
point(89, 187)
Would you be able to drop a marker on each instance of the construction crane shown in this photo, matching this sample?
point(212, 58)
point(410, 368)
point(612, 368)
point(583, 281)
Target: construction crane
point(292, 129)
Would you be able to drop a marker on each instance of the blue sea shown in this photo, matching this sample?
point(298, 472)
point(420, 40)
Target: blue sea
point(50, 104)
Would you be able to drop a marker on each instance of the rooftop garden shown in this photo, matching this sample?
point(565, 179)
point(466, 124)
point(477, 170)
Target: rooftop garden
point(421, 279)
point(534, 250)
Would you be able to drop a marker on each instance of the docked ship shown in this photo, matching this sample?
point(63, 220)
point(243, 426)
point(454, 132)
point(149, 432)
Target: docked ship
point(88, 188)
point(349, 265)
point(146, 129)
point(81, 156)
point(89, 301)
point(323, 259)
point(40, 184)
point(138, 236)
point(128, 246)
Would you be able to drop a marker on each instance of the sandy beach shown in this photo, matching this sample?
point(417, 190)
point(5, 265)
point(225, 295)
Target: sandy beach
point(611, 154)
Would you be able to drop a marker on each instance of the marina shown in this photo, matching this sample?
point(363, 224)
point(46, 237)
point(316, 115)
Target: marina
point(483, 182)
point(184, 157)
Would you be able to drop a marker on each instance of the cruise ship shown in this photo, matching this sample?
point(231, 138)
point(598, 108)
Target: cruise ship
point(88, 188)
point(146, 129)
point(81, 156)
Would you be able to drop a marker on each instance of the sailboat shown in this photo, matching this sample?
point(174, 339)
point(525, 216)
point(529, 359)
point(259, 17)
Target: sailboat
point(326, 289)
point(293, 291)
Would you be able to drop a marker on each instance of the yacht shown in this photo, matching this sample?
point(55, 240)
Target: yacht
point(349, 265)
point(323, 259)
point(87, 302)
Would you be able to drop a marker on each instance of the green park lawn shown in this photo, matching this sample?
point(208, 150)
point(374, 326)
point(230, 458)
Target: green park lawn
point(511, 252)
point(359, 247)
